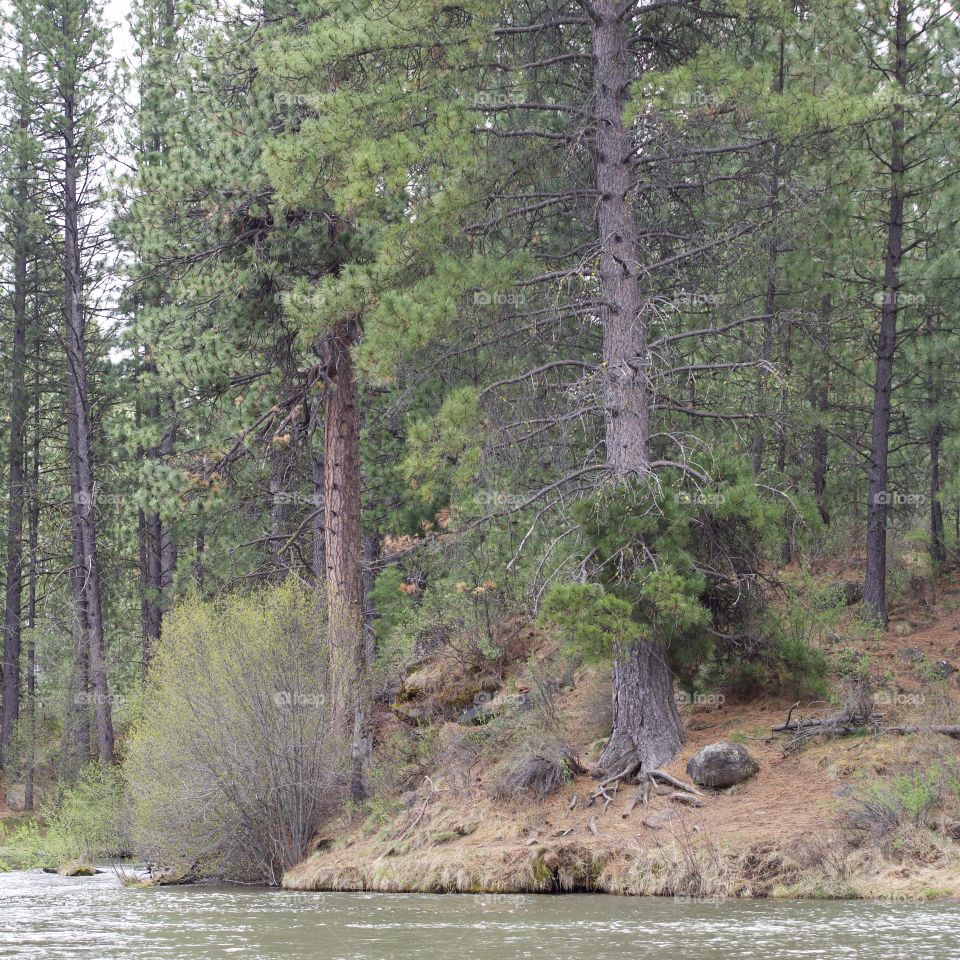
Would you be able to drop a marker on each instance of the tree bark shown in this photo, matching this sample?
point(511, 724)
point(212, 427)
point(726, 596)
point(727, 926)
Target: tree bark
point(626, 363)
point(319, 551)
point(647, 729)
point(820, 403)
point(32, 544)
point(770, 297)
point(875, 577)
point(344, 549)
point(87, 577)
point(938, 546)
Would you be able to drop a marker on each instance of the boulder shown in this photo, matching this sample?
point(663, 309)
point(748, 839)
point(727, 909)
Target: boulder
point(16, 797)
point(722, 765)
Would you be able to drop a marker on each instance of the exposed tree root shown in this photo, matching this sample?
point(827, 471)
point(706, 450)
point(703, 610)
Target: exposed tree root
point(646, 780)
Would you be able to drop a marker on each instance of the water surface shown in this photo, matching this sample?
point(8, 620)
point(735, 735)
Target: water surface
point(56, 918)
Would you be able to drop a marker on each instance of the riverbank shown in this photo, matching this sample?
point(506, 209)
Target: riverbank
point(873, 815)
point(780, 836)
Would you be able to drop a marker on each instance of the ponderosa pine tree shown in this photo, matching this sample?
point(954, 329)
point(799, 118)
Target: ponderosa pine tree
point(71, 43)
point(18, 213)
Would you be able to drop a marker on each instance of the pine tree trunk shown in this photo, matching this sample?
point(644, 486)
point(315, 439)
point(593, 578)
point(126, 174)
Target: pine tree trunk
point(647, 729)
point(938, 546)
point(87, 578)
point(626, 364)
point(151, 536)
point(33, 539)
point(198, 566)
point(13, 598)
point(646, 726)
point(344, 549)
point(319, 561)
point(819, 402)
point(770, 298)
point(875, 578)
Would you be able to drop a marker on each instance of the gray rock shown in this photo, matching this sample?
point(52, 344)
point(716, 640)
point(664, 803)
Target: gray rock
point(910, 655)
point(16, 798)
point(722, 765)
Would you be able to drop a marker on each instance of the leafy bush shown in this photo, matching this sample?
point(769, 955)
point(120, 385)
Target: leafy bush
point(880, 811)
point(237, 760)
point(89, 820)
point(86, 822)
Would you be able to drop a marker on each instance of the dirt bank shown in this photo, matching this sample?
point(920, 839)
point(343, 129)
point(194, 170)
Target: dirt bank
point(790, 831)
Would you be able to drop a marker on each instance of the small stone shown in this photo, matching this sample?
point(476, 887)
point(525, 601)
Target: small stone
point(659, 819)
point(910, 655)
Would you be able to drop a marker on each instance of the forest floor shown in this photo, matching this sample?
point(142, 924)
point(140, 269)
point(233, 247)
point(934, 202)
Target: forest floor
point(869, 815)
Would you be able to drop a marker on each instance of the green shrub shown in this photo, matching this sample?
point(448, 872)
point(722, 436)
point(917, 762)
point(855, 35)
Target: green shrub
point(237, 759)
point(86, 822)
point(89, 821)
point(880, 810)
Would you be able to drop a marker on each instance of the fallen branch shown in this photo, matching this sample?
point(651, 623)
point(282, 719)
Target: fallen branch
point(947, 729)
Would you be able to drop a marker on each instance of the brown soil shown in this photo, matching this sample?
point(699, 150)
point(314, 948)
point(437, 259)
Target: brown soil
point(777, 834)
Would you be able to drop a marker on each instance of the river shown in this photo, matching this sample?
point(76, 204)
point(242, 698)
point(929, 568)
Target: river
point(55, 918)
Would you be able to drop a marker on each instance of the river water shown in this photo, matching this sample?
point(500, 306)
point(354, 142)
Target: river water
point(55, 918)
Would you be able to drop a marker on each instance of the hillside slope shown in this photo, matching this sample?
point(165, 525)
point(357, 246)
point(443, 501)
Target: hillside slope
point(868, 815)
